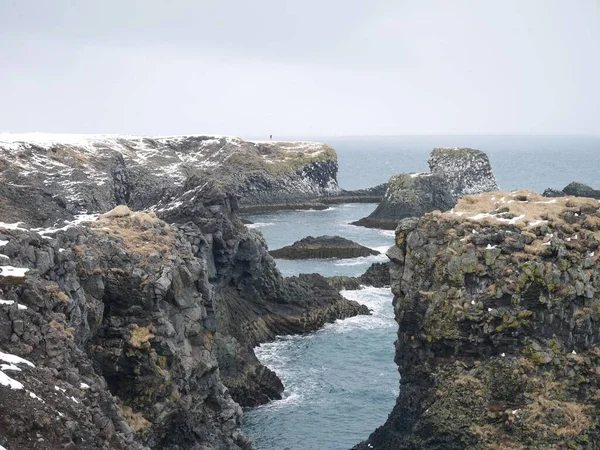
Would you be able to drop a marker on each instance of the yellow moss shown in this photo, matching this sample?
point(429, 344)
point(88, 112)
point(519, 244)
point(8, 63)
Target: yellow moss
point(136, 421)
point(140, 336)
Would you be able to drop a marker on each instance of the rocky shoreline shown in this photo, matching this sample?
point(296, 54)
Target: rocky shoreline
point(133, 327)
point(156, 312)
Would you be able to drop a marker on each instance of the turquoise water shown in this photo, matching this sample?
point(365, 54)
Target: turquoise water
point(341, 382)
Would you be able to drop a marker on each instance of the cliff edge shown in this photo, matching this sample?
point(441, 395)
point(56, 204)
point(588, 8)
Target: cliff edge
point(498, 310)
point(49, 176)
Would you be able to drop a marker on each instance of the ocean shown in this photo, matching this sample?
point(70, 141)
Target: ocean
point(341, 382)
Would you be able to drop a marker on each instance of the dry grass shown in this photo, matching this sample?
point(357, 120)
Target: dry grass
point(136, 421)
point(140, 336)
point(556, 418)
point(140, 232)
point(530, 208)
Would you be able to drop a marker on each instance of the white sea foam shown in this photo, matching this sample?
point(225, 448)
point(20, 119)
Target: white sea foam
point(382, 249)
point(390, 233)
point(331, 208)
point(259, 225)
point(362, 260)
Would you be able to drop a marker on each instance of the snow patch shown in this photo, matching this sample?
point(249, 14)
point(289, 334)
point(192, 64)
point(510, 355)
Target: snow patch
point(10, 271)
point(11, 302)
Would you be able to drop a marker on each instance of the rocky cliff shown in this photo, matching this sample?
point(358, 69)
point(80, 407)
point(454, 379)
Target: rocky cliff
point(498, 308)
point(56, 176)
point(454, 172)
point(139, 326)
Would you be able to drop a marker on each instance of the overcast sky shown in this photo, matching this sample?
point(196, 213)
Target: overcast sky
point(301, 68)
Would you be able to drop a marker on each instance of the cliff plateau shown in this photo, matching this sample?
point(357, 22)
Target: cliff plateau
point(498, 310)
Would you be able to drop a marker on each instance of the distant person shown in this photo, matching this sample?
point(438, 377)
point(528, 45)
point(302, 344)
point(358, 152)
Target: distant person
point(270, 136)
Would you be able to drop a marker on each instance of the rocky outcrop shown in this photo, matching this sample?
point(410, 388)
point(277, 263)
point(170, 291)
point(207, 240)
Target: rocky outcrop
point(157, 311)
point(59, 176)
point(454, 172)
point(575, 189)
point(323, 247)
point(159, 320)
point(369, 195)
point(497, 305)
point(377, 275)
point(114, 319)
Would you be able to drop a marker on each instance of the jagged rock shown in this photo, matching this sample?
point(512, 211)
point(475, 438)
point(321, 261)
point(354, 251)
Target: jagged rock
point(377, 275)
point(323, 247)
point(498, 340)
point(454, 172)
point(157, 311)
point(574, 188)
point(553, 193)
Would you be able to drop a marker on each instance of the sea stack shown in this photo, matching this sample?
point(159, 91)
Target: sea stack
point(454, 172)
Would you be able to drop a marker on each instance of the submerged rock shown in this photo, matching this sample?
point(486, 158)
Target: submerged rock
point(323, 247)
point(454, 172)
point(498, 340)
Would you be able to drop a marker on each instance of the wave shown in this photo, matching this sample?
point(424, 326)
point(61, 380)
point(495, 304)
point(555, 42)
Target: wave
point(331, 208)
point(260, 224)
point(381, 249)
point(362, 260)
point(290, 399)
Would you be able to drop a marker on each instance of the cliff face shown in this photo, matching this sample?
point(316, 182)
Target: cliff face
point(498, 313)
point(156, 312)
point(56, 176)
point(121, 338)
point(454, 172)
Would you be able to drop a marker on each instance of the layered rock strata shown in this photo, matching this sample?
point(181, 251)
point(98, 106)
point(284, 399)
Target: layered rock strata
point(59, 176)
point(498, 310)
point(323, 247)
point(454, 172)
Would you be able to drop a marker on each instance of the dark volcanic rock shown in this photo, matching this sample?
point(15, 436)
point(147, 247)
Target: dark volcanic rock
point(454, 172)
point(498, 339)
point(553, 193)
point(95, 173)
point(575, 189)
point(581, 190)
point(158, 312)
point(378, 275)
point(323, 247)
point(121, 339)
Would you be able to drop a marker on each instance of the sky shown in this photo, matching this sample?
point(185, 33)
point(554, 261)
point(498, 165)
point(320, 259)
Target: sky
point(300, 68)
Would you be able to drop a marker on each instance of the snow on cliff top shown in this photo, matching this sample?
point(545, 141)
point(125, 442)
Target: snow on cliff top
point(518, 207)
point(168, 152)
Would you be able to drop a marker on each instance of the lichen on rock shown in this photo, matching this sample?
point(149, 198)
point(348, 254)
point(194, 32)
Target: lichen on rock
point(497, 306)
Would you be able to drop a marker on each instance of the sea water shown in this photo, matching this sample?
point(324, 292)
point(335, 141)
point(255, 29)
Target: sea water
point(341, 382)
